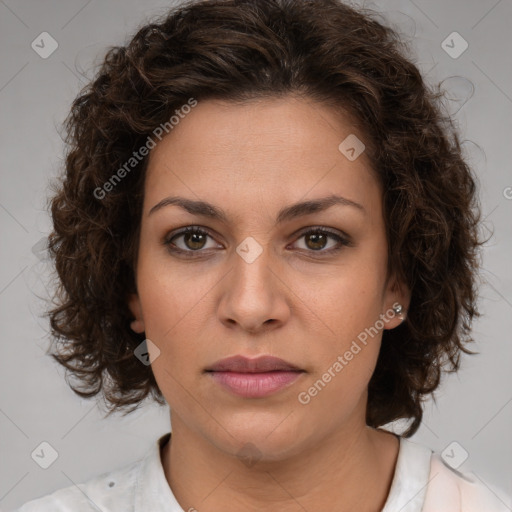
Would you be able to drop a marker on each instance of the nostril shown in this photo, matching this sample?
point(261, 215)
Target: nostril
point(111, 484)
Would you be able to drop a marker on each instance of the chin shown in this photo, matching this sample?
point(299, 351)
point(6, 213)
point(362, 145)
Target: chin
point(261, 438)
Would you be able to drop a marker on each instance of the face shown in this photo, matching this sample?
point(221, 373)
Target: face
point(255, 277)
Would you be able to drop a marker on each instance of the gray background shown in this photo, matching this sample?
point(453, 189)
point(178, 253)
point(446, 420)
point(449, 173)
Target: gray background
point(473, 408)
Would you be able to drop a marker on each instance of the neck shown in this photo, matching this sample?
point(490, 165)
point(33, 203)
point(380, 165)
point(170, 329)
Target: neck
point(344, 471)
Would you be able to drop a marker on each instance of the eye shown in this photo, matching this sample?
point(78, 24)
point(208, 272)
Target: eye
point(316, 239)
point(194, 239)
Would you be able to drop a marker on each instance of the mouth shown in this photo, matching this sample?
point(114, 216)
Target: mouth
point(254, 378)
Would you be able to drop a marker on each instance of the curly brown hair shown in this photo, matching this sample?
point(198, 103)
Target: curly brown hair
point(239, 50)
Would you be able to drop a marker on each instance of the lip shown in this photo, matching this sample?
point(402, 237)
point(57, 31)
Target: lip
point(254, 378)
point(244, 364)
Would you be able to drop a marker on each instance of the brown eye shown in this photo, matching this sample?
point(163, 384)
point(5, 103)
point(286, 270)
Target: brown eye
point(317, 239)
point(194, 240)
point(188, 240)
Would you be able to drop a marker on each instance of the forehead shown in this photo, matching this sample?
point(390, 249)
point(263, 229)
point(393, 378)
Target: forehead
point(279, 147)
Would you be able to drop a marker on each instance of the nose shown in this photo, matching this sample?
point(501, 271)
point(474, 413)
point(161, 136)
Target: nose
point(254, 296)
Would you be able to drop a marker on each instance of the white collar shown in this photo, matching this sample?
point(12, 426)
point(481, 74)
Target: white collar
point(407, 493)
point(410, 481)
point(152, 491)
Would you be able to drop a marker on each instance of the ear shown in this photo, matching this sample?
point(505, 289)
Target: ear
point(397, 294)
point(137, 325)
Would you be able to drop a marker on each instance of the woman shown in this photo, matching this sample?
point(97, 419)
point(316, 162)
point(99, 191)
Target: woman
point(266, 223)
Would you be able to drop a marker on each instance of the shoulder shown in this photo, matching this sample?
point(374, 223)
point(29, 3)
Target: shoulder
point(113, 491)
point(424, 482)
point(449, 490)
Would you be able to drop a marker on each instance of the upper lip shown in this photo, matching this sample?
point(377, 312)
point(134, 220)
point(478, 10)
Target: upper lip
point(243, 364)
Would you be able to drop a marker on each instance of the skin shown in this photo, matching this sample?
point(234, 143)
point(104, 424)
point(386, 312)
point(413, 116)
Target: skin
point(291, 302)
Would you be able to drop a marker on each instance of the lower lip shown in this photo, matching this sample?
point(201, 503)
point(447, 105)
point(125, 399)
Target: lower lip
point(255, 385)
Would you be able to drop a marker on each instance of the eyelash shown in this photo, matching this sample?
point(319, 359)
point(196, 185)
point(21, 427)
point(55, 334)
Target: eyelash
point(342, 240)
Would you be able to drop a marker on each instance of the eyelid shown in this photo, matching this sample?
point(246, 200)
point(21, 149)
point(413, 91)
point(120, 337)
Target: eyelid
point(342, 239)
point(183, 231)
point(330, 231)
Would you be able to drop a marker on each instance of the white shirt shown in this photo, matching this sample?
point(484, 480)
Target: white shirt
point(421, 483)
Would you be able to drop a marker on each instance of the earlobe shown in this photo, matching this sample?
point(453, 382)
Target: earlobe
point(398, 300)
point(395, 315)
point(399, 311)
point(137, 325)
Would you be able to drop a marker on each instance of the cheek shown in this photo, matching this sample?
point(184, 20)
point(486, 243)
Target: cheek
point(171, 304)
point(171, 294)
point(346, 329)
point(344, 301)
point(346, 354)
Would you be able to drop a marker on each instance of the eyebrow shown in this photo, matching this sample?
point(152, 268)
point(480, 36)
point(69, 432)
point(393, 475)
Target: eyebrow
point(286, 214)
